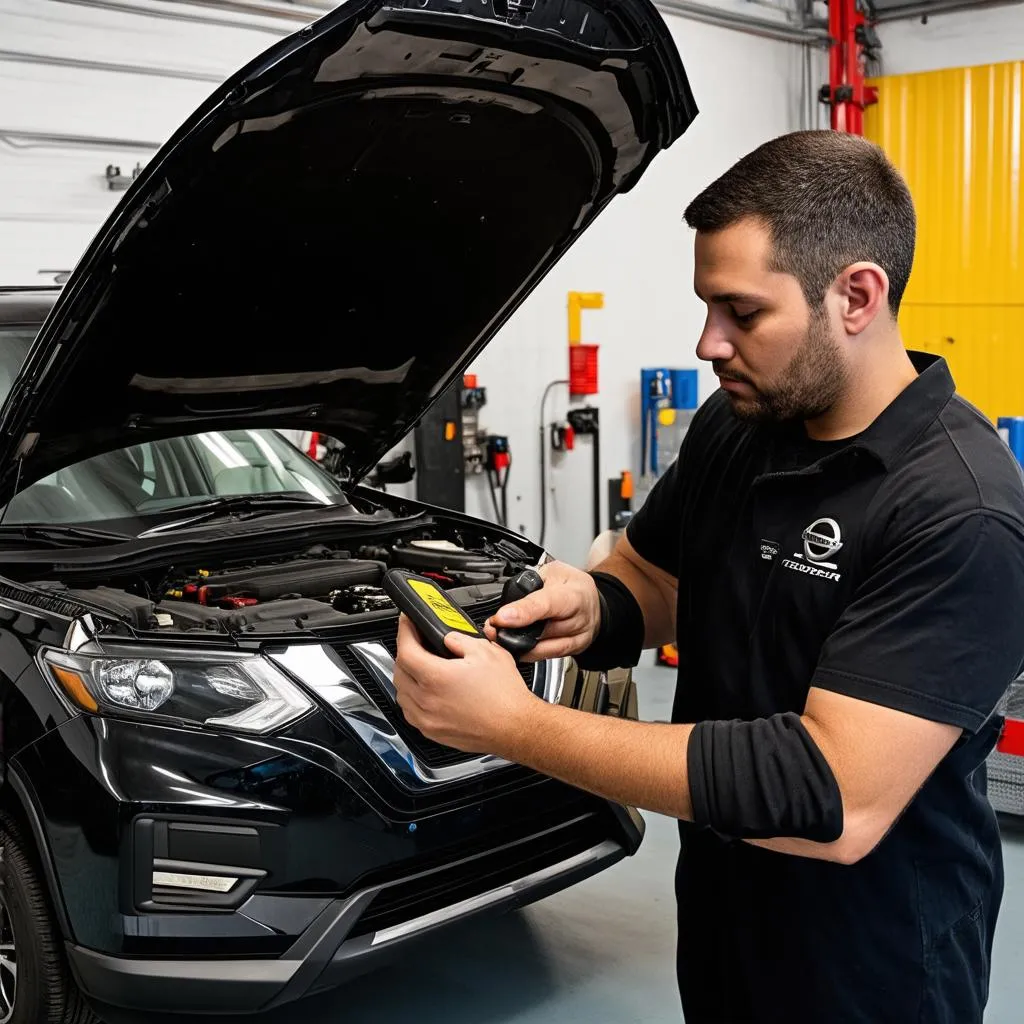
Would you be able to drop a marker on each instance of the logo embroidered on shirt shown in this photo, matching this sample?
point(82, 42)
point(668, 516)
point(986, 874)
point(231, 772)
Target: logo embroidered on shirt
point(770, 550)
point(823, 540)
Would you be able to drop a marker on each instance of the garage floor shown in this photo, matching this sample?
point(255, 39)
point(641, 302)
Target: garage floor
point(601, 953)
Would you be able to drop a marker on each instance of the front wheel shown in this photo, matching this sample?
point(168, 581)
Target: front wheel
point(36, 986)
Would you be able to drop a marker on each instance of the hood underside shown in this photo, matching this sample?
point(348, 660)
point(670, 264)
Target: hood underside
point(330, 240)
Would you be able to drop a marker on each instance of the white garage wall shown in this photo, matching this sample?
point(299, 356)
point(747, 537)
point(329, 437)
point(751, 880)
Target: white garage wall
point(989, 35)
point(81, 88)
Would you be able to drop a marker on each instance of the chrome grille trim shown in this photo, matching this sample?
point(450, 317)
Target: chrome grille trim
point(320, 669)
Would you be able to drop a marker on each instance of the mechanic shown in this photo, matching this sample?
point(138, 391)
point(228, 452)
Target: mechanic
point(838, 552)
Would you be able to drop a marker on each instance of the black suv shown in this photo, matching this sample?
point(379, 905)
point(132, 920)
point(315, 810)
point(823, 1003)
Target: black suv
point(211, 802)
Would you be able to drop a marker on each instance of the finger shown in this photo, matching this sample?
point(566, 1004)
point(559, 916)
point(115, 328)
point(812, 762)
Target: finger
point(401, 678)
point(560, 647)
point(407, 634)
point(556, 629)
point(411, 710)
point(411, 653)
point(575, 625)
point(554, 570)
point(459, 643)
point(542, 604)
point(409, 692)
point(491, 629)
point(403, 690)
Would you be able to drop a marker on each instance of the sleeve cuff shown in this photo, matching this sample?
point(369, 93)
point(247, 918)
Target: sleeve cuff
point(891, 695)
point(696, 775)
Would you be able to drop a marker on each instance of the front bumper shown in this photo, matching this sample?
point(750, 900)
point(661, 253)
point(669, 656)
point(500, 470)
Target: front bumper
point(338, 864)
point(323, 957)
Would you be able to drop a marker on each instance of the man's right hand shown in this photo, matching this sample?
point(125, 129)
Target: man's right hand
point(568, 600)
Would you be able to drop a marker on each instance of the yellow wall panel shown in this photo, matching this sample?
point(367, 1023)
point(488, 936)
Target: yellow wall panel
point(957, 137)
point(984, 346)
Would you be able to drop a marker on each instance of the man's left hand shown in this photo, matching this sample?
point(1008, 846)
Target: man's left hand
point(476, 701)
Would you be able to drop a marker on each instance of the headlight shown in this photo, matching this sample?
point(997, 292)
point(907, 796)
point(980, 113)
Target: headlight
point(223, 690)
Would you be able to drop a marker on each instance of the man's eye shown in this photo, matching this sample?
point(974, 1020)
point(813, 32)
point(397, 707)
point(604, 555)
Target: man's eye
point(745, 318)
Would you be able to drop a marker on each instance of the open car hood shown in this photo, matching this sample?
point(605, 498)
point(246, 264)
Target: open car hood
point(345, 223)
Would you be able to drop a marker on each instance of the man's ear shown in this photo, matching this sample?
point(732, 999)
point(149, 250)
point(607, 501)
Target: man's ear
point(863, 293)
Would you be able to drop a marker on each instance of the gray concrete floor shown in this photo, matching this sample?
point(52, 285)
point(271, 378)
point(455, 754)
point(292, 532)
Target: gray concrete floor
point(601, 953)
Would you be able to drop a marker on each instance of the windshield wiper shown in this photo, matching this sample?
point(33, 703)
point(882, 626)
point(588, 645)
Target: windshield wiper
point(209, 509)
point(59, 532)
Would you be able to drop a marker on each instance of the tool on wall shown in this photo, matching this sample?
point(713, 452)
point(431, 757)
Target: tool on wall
point(668, 399)
point(586, 422)
point(582, 381)
point(117, 181)
point(452, 447)
point(620, 500)
point(582, 357)
point(474, 398)
point(854, 41)
point(483, 453)
point(563, 437)
point(498, 460)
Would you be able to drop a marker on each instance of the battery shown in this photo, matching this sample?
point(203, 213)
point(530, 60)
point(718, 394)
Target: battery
point(432, 611)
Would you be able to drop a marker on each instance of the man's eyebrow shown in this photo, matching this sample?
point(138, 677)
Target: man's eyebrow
point(743, 298)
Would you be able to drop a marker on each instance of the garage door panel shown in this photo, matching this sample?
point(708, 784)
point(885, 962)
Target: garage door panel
point(42, 181)
point(81, 88)
point(37, 98)
point(37, 247)
point(195, 46)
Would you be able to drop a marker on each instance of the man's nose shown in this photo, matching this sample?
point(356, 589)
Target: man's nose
point(713, 344)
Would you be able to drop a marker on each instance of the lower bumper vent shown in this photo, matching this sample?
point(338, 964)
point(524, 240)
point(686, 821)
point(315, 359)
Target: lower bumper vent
point(422, 894)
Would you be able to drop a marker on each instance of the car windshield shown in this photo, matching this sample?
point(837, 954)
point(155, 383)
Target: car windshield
point(157, 476)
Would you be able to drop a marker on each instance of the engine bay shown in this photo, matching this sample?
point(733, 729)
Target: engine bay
point(320, 586)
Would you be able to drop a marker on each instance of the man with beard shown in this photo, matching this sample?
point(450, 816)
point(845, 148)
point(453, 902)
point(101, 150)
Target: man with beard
point(838, 553)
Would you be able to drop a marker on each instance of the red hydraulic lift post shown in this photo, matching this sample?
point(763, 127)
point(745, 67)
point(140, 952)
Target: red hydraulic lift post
point(853, 37)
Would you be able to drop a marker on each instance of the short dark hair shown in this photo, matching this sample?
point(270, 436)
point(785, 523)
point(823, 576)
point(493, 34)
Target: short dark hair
point(828, 199)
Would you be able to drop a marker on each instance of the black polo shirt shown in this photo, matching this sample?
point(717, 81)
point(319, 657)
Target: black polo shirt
point(889, 568)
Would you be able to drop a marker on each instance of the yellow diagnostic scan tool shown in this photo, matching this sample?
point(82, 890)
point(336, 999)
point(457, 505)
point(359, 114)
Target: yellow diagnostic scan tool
point(433, 612)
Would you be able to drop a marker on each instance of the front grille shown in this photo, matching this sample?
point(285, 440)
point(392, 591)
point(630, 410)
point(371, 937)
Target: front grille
point(406, 900)
point(434, 755)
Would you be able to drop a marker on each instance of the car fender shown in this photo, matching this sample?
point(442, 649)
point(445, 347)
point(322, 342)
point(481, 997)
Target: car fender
point(19, 793)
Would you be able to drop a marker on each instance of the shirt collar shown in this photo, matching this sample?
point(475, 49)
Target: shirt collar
point(896, 428)
point(913, 410)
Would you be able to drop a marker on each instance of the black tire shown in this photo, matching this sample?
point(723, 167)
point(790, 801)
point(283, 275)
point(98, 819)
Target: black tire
point(45, 992)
